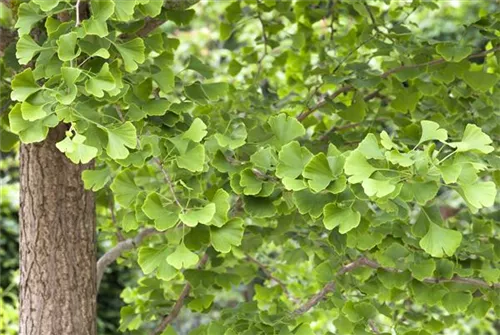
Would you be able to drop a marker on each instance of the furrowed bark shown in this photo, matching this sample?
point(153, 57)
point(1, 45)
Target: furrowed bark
point(57, 243)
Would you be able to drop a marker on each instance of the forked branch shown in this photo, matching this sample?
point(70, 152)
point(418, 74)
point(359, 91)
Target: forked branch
point(113, 254)
point(179, 303)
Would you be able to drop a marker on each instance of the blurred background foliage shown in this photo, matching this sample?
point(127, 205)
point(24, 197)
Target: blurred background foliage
point(428, 20)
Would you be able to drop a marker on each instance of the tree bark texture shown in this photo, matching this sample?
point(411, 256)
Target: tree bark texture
point(57, 243)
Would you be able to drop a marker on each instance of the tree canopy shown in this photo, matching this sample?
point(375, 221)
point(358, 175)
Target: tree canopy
point(277, 167)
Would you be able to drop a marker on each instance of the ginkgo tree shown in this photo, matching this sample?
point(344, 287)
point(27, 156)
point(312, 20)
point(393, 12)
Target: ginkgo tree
point(309, 167)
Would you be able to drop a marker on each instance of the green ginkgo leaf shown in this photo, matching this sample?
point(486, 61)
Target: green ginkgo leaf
point(150, 259)
point(355, 112)
point(223, 239)
point(30, 131)
point(450, 172)
point(26, 49)
point(102, 9)
point(452, 52)
point(479, 194)
point(249, 182)
point(422, 269)
point(197, 131)
point(285, 128)
point(215, 91)
point(439, 241)
point(70, 76)
point(480, 81)
point(165, 217)
point(344, 218)
point(457, 302)
point(386, 141)
point(193, 159)
point(432, 131)
point(378, 188)
point(95, 179)
point(357, 167)
point(23, 85)
point(196, 93)
point(124, 9)
point(424, 191)
point(233, 140)
point(292, 159)
point(193, 216)
point(103, 81)
point(129, 222)
point(132, 52)
point(473, 140)
point(294, 184)
point(76, 150)
point(119, 139)
point(201, 304)
point(318, 172)
point(46, 5)
point(66, 47)
point(124, 188)
point(402, 159)
point(96, 27)
point(265, 158)
point(198, 66)
point(34, 107)
point(165, 79)
point(27, 15)
point(369, 148)
point(182, 257)
point(222, 206)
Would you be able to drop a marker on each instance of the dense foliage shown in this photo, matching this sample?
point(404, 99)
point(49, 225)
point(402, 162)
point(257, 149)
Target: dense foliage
point(310, 167)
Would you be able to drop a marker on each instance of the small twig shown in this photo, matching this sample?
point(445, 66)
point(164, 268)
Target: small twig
point(6, 106)
point(320, 104)
point(384, 75)
point(330, 287)
point(350, 53)
point(169, 183)
point(264, 35)
point(119, 234)
point(374, 23)
point(373, 327)
point(179, 303)
point(77, 8)
point(119, 112)
point(113, 254)
point(333, 129)
point(268, 273)
point(374, 94)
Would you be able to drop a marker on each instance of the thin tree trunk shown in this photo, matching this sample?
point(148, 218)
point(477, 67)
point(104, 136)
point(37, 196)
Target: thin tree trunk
point(57, 243)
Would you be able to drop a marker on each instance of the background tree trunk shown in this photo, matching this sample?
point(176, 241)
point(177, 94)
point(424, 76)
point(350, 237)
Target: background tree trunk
point(57, 243)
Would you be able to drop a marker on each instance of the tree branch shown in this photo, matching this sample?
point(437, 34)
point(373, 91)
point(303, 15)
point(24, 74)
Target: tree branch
point(179, 303)
point(77, 8)
point(113, 254)
point(365, 262)
point(320, 104)
point(168, 180)
point(333, 129)
point(330, 287)
point(384, 75)
point(7, 37)
point(268, 273)
point(374, 22)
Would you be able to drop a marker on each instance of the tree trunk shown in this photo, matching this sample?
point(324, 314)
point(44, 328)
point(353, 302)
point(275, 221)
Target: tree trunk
point(57, 243)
